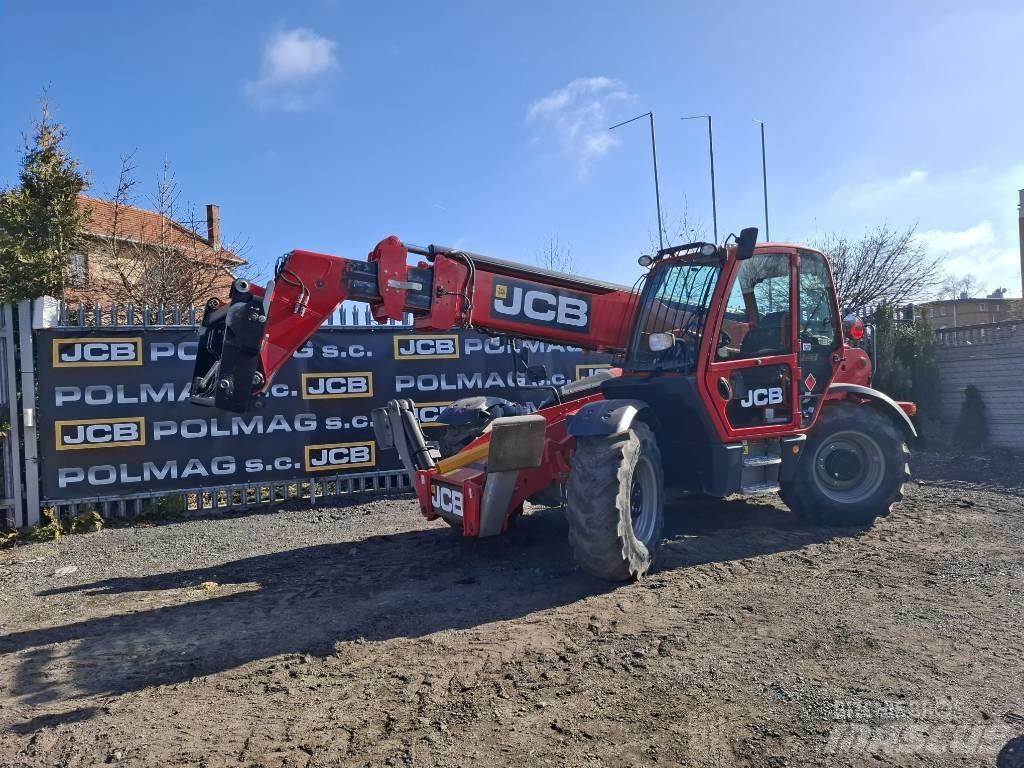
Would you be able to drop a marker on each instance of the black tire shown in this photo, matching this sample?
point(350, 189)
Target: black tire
point(602, 496)
point(454, 439)
point(852, 469)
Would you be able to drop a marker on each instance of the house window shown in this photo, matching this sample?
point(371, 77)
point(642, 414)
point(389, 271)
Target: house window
point(79, 267)
point(981, 307)
point(931, 311)
point(942, 311)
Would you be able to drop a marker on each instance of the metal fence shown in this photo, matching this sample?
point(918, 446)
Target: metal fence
point(131, 316)
point(989, 333)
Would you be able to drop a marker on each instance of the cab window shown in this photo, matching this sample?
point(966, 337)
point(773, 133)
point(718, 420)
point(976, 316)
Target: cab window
point(818, 326)
point(757, 313)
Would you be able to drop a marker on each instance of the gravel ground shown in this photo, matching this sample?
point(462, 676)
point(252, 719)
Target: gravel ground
point(364, 635)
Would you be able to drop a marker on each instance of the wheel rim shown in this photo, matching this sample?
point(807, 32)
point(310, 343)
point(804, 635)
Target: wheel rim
point(849, 466)
point(643, 500)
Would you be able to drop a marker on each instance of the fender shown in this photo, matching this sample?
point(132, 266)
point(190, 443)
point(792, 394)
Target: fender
point(888, 405)
point(605, 418)
point(471, 410)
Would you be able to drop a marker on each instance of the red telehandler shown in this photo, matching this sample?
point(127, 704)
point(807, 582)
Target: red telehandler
point(737, 378)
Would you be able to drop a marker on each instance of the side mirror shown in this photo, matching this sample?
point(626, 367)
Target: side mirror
point(536, 373)
point(745, 243)
point(659, 342)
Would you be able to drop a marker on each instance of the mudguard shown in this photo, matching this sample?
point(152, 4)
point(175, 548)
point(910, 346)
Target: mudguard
point(886, 403)
point(473, 410)
point(605, 418)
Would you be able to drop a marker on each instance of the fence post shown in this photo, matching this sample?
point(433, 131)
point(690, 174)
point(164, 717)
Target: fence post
point(13, 444)
point(28, 402)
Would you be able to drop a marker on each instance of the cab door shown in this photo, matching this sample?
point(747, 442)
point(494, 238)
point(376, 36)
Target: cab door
point(819, 332)
point(751, 377)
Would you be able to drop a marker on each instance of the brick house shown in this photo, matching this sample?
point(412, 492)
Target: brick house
point(135, 230)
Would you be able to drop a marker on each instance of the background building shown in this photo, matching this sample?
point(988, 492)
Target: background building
point(133, 255)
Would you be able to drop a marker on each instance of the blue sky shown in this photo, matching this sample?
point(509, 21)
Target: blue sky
point(329, 125)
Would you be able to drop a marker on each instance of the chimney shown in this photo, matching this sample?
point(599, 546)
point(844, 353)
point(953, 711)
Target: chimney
point(213, 224)
point(1020, 236)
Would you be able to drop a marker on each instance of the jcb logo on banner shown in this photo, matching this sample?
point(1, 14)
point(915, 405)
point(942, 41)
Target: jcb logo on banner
point(424, 347)
point(323, 386)
point(340, 456)
point(582, 371)
point(428, 413)
point(97, 352)
point(77, 434)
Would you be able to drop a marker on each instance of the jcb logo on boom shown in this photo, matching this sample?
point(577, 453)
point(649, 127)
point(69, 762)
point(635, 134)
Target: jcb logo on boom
point(427, 347)
point(79, 434)
point(340, 456)
point(323, 386)
point(534, 305)
point(445, 499)
point(762, 397)
point(97, 352)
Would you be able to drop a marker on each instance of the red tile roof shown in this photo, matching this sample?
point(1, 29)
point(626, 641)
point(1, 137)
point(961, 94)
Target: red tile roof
point(139, 224)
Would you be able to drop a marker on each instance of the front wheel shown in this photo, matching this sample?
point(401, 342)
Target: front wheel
point(852, 469)
point(614, 503)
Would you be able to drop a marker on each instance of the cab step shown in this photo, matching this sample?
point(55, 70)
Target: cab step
point(764, 460)
point(753, 489)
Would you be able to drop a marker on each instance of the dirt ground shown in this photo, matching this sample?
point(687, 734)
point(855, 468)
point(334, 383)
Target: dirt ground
point(364, 635)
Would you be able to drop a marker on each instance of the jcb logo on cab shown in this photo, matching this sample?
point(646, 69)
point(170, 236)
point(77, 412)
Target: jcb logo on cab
point(323, 386)
point(762, 397)
point(415, 347)
point(78, 434)
point(340, 456)
point(96, 352)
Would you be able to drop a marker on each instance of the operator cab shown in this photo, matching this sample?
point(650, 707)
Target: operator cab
point(733, 344)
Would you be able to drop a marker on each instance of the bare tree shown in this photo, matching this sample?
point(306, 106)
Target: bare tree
point(965, 286)
point(162, 259)
point(683, 229)
point(556, 257)
point(885, 264)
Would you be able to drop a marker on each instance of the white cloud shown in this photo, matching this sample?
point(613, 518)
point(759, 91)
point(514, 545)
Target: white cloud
point(941, 241)
point(871, 193)
point(293, 61)
point(967, 216)
point(976, 251)
point(577, 116)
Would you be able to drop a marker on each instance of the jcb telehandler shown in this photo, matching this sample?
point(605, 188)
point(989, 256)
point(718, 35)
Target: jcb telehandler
point(737, 379)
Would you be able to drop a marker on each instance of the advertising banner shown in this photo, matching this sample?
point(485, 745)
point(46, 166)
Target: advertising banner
point(115, 419)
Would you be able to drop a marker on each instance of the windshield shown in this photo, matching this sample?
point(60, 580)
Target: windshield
point(675, 301)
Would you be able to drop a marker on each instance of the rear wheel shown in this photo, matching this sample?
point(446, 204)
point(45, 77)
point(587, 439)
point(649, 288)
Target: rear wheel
point(852, 470)
point(614, 505)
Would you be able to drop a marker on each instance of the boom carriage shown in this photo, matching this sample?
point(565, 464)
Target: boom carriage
point(736, 375)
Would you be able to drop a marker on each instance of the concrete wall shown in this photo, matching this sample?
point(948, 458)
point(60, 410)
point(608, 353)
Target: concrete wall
point(991, 357)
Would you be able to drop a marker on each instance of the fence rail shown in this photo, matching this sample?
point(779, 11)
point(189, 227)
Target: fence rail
point(988, 333)
point(83, 315)
point(240, 496)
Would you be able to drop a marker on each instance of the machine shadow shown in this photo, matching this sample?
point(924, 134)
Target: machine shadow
point(299, 601)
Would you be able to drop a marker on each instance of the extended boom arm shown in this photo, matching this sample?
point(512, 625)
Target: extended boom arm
point(244, 343)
